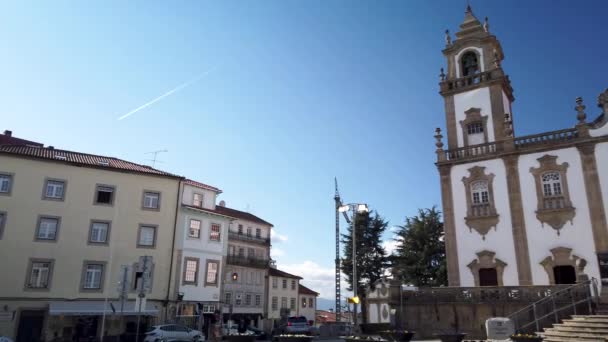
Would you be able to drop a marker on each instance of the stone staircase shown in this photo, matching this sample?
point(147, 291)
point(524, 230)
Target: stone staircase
point(593, 328)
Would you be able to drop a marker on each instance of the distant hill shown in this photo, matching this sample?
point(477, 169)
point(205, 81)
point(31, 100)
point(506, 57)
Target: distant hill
point(325, 304)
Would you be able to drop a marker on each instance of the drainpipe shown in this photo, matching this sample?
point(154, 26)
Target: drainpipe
point(179, 200)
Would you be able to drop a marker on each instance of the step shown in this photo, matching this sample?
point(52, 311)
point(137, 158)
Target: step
point(567, 339)
point(562, 327)
point(574, 336)
point(585, 324)
point(590, 319)
point(590, 316)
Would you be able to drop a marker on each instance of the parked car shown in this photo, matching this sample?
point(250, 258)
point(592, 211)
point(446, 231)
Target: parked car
point(296, 325)
point(159, 333)
point(229, 330)
point(259, 334)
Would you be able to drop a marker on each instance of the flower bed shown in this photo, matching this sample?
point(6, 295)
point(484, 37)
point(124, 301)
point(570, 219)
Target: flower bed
point(397, 335)
point(526, 338)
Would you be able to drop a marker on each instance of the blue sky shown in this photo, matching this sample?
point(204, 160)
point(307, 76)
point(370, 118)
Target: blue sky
point(298, 92)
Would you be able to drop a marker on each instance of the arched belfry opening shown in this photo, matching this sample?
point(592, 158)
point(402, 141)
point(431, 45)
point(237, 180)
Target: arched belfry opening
point(469, 63)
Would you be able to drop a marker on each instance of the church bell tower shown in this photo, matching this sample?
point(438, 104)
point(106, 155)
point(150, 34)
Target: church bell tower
point(476, 91)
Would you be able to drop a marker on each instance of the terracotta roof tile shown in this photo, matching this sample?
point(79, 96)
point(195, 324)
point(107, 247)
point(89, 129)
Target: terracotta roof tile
point(8, 139)
point(305, 290)
point(240, 215)
point(202, 185)
point(278, 273)
point(82, 159)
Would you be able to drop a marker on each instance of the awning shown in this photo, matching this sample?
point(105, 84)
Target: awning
point(97, 308)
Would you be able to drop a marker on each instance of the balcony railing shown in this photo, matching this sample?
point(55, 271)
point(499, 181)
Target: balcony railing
point(247, 261)
point(470, 151)
point(249, 238)
point(449, 85)
point(481, 210)
point(561, 136)
point(533, 141)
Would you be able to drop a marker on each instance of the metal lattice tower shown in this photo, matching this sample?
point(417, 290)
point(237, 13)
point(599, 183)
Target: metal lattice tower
point(338, 276)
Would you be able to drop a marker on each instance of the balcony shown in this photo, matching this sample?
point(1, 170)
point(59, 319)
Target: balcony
point(248, 238)
point(247, 261)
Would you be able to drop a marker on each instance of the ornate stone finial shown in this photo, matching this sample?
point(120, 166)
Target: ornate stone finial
point(508, 126)
point(486, 25)
point(448, 39)
point(580, 110)
point(602, 101)
point(438, 137)
point(442, 75)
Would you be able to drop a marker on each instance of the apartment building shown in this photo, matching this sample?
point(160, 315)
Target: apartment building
point(283, 295)
point(246, 267)
point(307, 303)
point(69, 222)
point(200, 254)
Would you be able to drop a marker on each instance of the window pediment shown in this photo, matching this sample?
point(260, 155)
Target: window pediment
point(474, 127)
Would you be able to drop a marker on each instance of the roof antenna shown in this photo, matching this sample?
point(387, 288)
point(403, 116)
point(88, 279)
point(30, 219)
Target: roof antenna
point(154, 159)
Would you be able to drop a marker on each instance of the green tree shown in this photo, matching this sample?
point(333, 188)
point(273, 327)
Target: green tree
point(372, 260)
point(419, 258)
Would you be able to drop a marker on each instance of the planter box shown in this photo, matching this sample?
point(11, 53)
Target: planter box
point(397, 336)
point(458, 337)
point(526, 339)
point(240, 338)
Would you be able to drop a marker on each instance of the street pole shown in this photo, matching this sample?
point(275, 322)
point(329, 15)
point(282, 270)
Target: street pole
point(355, 265)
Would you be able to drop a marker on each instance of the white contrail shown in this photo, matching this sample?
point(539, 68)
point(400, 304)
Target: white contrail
point(176, 89)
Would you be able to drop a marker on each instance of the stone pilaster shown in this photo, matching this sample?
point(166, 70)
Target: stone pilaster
point(447, 200)
point(594, 197)
point(520, 238)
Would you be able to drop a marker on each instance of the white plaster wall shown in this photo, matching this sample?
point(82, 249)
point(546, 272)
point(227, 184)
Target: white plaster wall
point(603, 130)
point(578, 235)
point(209, 197)
point(308, 311)
point(499, 240)
point(478, 98)
point(202, 248)
point(281, 292)
point(480, 59)
point(601, 158)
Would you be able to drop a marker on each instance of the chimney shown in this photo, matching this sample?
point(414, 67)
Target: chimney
point(222, 203)
point(51, 148)
point(8, 133)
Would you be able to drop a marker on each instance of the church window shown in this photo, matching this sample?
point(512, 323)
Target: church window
point(475, 128)
point(481, 212)
point(479, 191)
point(469, 64)
point(554, 205)
point(552, 184)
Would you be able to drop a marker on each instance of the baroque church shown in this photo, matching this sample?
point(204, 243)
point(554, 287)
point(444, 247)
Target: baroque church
point(518, 210)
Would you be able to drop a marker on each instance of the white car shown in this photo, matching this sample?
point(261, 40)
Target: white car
point(158, 333)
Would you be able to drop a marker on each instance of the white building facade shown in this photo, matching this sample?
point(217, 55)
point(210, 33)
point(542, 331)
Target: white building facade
point(527, 210)
point(307, 304)
point(201, 245)
point(283, 292)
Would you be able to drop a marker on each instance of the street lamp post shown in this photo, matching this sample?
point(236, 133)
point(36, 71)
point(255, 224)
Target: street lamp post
point(355, 208)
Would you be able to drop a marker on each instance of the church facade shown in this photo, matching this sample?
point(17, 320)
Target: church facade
point(518, 210)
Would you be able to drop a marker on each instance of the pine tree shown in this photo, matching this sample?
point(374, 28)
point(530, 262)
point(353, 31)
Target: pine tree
point(371, 256)
point(419, 258)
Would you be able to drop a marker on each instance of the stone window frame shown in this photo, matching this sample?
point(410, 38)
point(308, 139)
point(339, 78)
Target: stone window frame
point(487, 259)
point(83, 274)
point(554, 217)
point(473, 115)
point(211, 233)
point(113, 198)
point(57, 180)
point(57, 228)
point(139, 229)
point(275, 303)
point(217, 274)
point(481, 224)
point(562, 256)
point(200, 228)
point(196, 272)
point(11, 181)
point(95, 243)
point(4, 216)
point(194, 194)
point(458, 60)
point(257, 300)
point(28, 275)
point(143, 200)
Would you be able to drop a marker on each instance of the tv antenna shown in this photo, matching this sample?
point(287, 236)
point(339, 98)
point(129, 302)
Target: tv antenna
point(154, 159)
